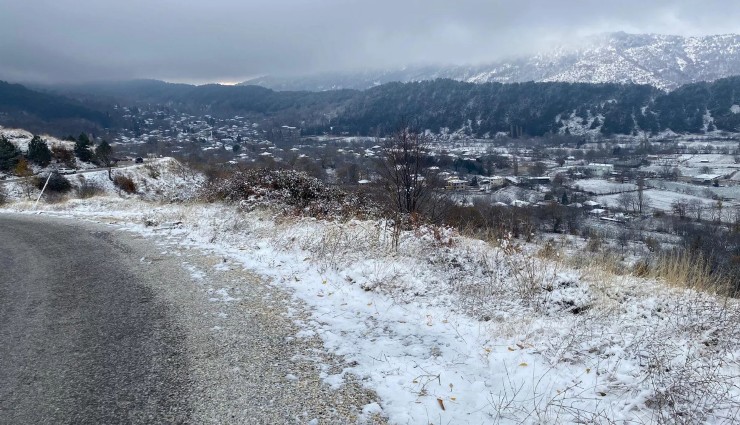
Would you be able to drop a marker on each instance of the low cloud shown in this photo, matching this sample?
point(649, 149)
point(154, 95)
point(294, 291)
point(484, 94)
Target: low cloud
point(231, 40)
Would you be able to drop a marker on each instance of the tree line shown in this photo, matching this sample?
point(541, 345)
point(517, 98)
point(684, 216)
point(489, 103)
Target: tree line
point(14, 161)
point(518, 109)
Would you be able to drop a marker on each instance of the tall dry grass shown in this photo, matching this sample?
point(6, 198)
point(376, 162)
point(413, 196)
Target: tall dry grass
point(683, 269)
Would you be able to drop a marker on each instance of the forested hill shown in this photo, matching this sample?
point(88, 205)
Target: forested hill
point(24, 107)
point(477, 109)
point(540, 108)
point(530, 108)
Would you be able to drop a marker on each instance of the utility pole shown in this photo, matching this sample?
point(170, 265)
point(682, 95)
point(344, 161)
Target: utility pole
point(42, 192)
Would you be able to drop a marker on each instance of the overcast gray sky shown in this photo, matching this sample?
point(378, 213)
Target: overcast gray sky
point(230, 40)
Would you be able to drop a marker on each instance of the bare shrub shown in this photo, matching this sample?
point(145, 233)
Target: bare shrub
point(295, 192)
point(152, 171)
point(88, 189)
point(693, 377)
point(124, 184)
point(3, 195)
point(63, 155)
point(594, 243)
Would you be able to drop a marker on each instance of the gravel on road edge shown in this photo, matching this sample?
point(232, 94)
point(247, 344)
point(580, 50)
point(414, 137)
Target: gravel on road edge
point(247, 365)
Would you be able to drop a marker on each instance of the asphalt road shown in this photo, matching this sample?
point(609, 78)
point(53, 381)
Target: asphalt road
point(83, 339)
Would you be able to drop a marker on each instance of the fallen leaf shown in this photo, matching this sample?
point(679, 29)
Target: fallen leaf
point(511, 349)
point(453, 398)
point(441, 403)
point(521, 347)
point(522, 364)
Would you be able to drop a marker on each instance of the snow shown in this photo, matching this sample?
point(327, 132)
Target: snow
point(448, 329)
point(658, 199)
point(601, 186)
point(21, 138)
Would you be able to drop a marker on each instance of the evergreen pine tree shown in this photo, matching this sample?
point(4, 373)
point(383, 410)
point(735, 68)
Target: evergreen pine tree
point(82, 148)
point(9, 154)
point(38, 151)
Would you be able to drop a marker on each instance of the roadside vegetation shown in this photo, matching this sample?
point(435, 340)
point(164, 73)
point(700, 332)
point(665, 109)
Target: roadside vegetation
point(608, 312)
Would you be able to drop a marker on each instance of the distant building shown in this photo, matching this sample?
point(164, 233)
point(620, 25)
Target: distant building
point(706, 178)
point(457, 184)
point(539, 180)
point(598, 212)
point(491, 182)
point(600, 169)
point(285, 134)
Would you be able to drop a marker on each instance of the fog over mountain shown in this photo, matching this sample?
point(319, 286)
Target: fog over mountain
point(663, 61)
point(234, 40)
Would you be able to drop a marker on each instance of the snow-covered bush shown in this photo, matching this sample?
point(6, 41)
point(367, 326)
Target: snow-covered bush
point(89, 188)
point(293, 191)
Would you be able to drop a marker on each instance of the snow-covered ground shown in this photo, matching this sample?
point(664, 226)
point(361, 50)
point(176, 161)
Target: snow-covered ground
point(161, 179)
point(21, 138)
point(725, 192)
point(662, 200)
point(603, 186)
point(448, 329)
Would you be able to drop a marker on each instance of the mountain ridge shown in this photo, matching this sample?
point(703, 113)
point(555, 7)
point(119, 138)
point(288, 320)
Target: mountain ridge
point(663, 61)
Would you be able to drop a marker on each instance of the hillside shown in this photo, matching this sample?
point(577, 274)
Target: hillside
point(23, 107)
point(443, 325)
point(481, 110)
point(663, 61)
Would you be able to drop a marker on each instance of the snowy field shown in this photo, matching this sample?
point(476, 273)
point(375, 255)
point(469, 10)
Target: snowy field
point(700, 160)
point(726, 192)
point(658, 199)
point(453, 330)
point(602, 186)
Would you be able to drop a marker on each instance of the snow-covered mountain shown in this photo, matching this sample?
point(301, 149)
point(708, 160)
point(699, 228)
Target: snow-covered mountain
point(664, 61)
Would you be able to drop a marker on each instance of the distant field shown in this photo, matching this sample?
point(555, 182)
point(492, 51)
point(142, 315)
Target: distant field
point(728, 192)
point(660, 200)
point(603, 187)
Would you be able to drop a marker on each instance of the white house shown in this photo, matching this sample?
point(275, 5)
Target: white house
point(600, 169)
point(456, 184)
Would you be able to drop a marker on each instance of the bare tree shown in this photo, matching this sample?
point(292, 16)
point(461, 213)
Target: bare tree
point(642, 201)
point(680, 207)
point(718, 206)
point(696, 207)
point(405, 175)
point(104, 154)
point(628, 201)
point(23, 170)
